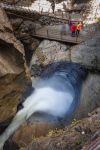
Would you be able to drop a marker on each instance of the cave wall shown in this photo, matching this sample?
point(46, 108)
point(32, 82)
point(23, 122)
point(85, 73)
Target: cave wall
point(14, 74)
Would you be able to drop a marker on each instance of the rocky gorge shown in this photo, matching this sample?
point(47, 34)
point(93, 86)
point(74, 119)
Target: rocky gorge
point(16, 60)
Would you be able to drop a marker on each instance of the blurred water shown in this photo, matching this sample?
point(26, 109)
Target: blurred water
point(56, 96)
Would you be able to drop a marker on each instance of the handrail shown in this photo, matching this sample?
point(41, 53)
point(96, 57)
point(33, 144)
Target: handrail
point(48, 34)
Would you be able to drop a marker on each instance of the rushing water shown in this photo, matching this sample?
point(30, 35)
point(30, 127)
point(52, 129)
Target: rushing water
point(55, 94)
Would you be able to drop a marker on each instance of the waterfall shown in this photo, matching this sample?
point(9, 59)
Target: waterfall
point(56, 94)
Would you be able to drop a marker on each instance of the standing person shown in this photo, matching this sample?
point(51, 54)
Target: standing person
point(79, 27)
point(53, 6)
point(73, 29)
point(63, 29)
point(70, 23)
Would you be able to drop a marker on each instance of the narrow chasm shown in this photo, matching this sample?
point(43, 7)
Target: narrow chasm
point(49, 75)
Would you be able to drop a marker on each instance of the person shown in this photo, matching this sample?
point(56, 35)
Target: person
point(73, 29)
point(70, 23)
point(53, 6)
point(79, 27)
point(63, 29)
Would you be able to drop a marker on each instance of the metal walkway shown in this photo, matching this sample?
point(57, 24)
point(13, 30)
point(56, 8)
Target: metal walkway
point(52, 33)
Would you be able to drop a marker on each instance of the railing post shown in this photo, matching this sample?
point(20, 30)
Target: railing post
point(76, 38)
point(61, 35)
point(35, 31)
point(55, 13)
point(47, 33)
point(62, 14)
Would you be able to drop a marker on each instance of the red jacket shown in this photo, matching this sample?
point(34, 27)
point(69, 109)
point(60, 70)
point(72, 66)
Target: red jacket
point(73, 28)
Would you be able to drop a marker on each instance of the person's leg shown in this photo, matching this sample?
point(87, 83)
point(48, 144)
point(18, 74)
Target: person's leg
point(76, 32)
point(73, 34)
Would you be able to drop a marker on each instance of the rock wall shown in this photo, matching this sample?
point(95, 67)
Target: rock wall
point(79, 133)
point(87, 54)
point(90, 96)
point(14, 74)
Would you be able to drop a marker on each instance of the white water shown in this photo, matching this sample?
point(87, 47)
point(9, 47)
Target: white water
point(53, 96)
point(48, 100)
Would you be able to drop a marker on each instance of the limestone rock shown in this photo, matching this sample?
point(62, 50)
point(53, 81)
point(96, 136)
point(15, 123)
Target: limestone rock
point(90, 95)
point(49, 52)
point(28, 132)
point(13, 70)
point(72, 137)
point(87, 53)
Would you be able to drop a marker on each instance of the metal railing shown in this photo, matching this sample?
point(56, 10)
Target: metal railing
point(57, 35)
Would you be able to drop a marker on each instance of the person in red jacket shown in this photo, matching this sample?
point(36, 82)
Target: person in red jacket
point(73, 29)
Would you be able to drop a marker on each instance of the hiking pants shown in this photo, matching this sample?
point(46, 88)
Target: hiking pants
point(77, 32)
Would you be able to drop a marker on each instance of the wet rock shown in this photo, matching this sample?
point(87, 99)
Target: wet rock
point(28, 132)
point(90, 96)
point(69, 138)
point(85, 54)
point(38, 125)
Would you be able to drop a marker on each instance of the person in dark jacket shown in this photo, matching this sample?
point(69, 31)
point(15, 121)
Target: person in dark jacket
point(70, 23)
point(53, 6)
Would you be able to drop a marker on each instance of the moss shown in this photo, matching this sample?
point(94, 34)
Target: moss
point(75, 122)
point(40, 56)
point(22, 148)
point(78, 142)
point(55, 132)
point(35, 139)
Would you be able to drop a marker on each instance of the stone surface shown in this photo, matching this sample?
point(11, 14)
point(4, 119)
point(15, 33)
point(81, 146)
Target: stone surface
point(27, 132)
point(90, 95)
point(86, 53)
point(49, 52)
point(24, 31)
point(75, 136)
point(13, 70)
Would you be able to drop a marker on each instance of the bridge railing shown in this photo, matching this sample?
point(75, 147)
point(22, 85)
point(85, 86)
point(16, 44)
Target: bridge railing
point(57, 34)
